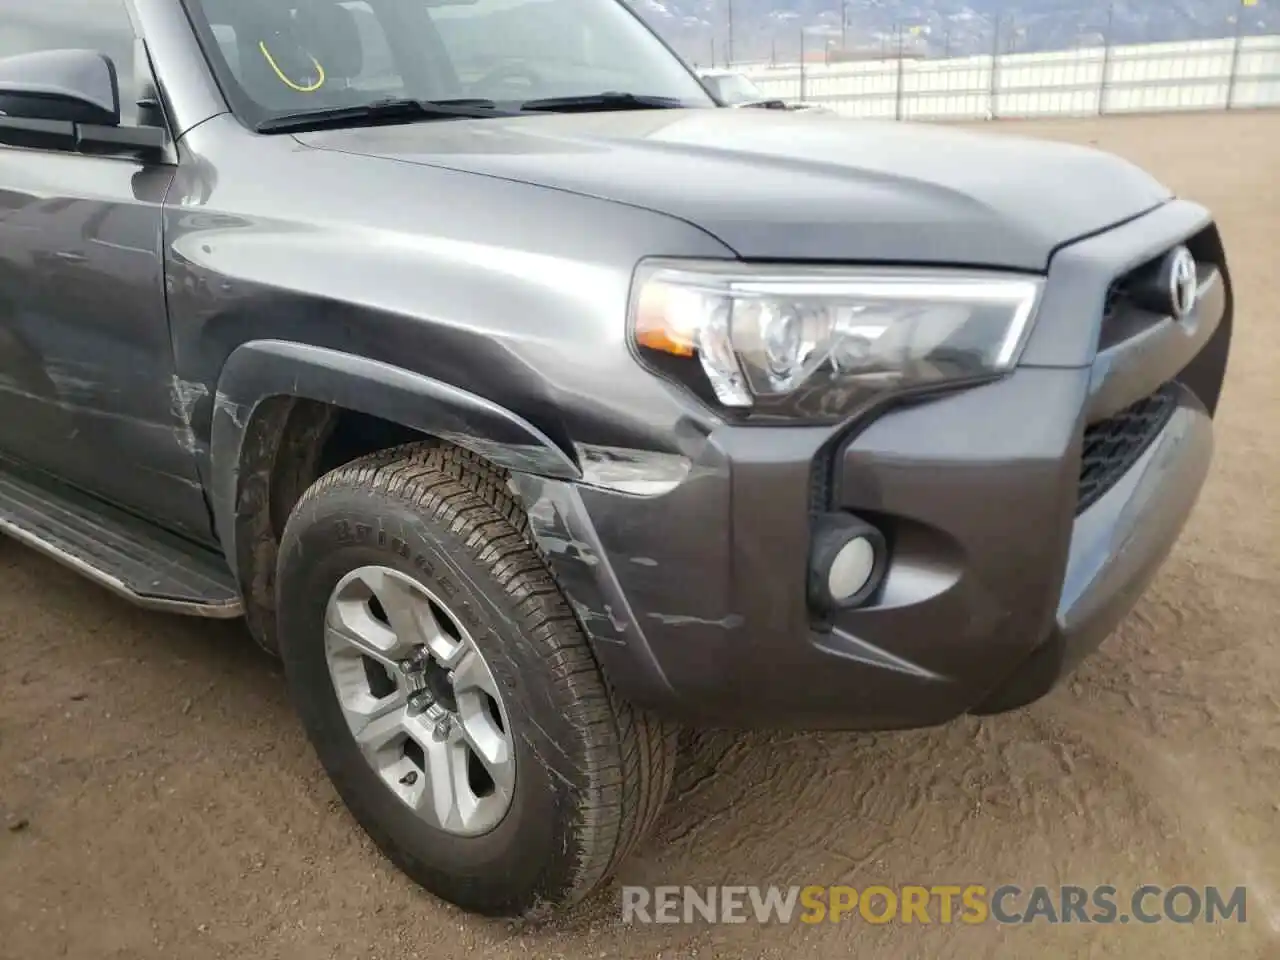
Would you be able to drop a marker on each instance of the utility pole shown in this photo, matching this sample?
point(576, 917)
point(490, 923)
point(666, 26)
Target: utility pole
point(802, 64)
point(1235, 54)
point(1106, 60)
point(729, 48)
point(995, 63)
point(844, 22)
point(897, 106)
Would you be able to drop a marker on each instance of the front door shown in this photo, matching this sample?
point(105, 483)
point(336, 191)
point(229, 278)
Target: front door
point(87, 388)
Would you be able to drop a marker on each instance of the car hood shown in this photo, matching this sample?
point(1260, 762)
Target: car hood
point(788, 185)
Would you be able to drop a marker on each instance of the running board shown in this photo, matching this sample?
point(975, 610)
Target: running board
point(131, 557)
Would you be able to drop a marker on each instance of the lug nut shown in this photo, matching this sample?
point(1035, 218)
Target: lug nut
point(421, 700)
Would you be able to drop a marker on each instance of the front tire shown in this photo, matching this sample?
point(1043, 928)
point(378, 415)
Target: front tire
point(417, 622)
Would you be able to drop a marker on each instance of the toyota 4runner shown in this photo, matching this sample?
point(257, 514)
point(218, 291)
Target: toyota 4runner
point(527, 402)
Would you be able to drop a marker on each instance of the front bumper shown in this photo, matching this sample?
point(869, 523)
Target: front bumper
point(997, 585)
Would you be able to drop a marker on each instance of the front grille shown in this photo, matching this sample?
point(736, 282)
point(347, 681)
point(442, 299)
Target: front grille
point(1114, 445)
point(1116, 296)
point(1123, 292)
point(1118, 292)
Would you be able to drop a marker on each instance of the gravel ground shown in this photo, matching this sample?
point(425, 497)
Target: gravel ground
point(160, 799)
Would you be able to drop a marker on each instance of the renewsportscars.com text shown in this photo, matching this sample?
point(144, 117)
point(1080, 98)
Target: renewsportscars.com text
point(938, 903)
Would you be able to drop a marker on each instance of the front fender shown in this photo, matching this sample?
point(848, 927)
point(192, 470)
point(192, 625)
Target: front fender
point(263, 369)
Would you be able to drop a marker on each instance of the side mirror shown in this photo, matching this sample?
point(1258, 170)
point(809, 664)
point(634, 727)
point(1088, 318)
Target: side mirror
point(75, 86)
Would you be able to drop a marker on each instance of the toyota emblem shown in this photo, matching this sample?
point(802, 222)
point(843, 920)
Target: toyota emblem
point(1182, 283)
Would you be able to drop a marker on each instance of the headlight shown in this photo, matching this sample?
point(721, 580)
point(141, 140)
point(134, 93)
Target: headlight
point(816, 342)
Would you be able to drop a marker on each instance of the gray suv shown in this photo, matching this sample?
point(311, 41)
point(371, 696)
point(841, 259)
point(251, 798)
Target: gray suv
point(528, 403)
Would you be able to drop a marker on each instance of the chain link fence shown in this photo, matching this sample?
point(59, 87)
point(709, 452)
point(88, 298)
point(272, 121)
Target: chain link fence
point(1139, 78)
point(1214, 58)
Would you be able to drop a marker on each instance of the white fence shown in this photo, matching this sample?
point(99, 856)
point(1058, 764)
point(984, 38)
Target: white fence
point(1156, 77)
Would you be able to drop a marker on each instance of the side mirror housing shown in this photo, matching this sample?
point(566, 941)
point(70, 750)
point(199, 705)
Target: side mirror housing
point(74, 86)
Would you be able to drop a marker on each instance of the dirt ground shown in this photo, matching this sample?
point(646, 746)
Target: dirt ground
point(160, 800)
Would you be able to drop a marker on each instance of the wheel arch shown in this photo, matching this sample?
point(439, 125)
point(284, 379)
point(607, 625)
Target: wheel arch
point(285, 413)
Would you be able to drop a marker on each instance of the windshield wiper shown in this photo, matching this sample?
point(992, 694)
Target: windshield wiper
point(380, 111)
point(608, 100)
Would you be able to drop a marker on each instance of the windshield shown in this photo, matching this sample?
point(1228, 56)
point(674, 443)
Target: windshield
point(279, 57)
point(735, 88)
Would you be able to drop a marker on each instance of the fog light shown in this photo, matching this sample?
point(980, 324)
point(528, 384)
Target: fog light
point(851, 569)
point(847, 563)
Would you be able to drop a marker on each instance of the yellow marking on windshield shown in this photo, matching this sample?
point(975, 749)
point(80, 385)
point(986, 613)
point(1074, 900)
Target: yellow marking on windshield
point(262, 45)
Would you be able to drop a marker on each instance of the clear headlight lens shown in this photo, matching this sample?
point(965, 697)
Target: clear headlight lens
point(761, 335)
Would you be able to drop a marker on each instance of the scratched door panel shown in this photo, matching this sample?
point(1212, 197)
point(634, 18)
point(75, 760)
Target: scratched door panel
point(87, 389)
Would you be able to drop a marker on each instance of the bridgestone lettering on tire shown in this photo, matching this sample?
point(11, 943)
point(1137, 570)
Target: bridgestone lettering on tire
point(591, 773)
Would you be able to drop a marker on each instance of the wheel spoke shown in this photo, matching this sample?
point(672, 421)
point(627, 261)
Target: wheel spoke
point(445, 648)
point(477, 729)
point(472, 674)
point(368, 709)
point(351, 624)
point(466, 803)
point(349, 669)
point(438, 802)
point(376, 731)
point(406, 608)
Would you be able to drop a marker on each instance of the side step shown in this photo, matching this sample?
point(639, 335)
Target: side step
point(135, 559)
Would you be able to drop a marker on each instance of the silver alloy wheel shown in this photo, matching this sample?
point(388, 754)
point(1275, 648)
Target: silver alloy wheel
point(420, 700)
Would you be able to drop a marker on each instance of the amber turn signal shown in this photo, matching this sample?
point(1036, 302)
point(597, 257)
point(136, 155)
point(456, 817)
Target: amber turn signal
point(654, 328)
